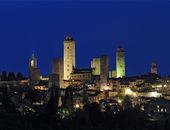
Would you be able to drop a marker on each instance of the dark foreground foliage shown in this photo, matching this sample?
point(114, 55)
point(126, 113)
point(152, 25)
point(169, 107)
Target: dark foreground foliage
point(91, 118)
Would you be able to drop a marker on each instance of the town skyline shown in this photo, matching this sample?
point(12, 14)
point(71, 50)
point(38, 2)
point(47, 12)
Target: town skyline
point(89, 63)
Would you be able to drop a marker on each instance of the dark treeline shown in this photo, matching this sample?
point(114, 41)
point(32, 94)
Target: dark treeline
point(11, 76)
point(91, 118)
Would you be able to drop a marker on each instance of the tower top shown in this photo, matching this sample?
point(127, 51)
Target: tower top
point(120, 49)
point(68, 38)
point(33, 55)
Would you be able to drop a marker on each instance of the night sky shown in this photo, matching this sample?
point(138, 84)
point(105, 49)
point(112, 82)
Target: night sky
point(142, 28)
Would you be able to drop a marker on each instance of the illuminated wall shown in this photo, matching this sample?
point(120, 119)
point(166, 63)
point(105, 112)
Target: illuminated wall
point(69, 57)
point(120, 62)
point(95, 64)
point(112, 74)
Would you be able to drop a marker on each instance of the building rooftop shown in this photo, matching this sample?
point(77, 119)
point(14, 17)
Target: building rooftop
point(86, 70)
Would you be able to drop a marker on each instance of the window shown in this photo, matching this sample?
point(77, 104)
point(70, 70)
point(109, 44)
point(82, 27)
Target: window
point(67, 65)
point(32, 63)
point(67, 69)
point(68, 47)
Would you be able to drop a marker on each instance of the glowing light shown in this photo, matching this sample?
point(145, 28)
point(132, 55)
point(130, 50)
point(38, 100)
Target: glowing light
point(155, 94)
point(119, 101)
point(77, 106)
point(157, 86)
point(105, 88)
point(134, 94)
point(32, 63)
point(165, 85)
point(128, 91)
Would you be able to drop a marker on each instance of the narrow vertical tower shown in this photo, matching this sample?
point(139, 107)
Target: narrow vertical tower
point(58, 69)
point(95, 65)
point(69, 57)
point(120, 62)
point(34, 72)
point(104, 71)
point(154, 69)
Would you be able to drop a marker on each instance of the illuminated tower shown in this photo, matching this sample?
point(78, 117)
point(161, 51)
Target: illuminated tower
point(69, 57)
point(120, 62)
point(154, 69)
point(95, 65)
point(57, 68)
point(34, 72)
point(104, 70)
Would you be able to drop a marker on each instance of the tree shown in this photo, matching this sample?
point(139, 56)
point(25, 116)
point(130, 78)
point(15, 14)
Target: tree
point(4, 75)
point(127, 103)
point(11, 76)
point(52, 106)
point(20, 76)
point(68, 99)
point(8, 105)
point(85, 95)
point(166, 125)
point(95, 113)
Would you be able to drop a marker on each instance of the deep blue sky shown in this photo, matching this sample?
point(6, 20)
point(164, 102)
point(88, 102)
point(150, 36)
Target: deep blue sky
point(142, 28)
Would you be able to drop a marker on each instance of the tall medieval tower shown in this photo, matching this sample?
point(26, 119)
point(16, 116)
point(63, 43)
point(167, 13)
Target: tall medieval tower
point(69, 57)
point(120, 62)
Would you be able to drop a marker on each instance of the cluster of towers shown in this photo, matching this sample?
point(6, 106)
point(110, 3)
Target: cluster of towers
point(100, 65)
point(65, 66)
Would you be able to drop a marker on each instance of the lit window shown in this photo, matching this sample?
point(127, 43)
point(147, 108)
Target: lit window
point(32, 63)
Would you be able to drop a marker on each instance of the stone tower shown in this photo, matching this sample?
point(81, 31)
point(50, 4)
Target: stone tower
point(120, 62)
point(34, 72)
point(69, 57)
point(57, 68)
point(154, 69)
